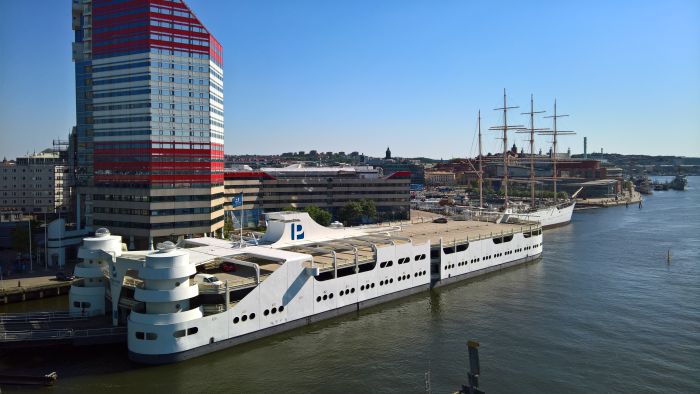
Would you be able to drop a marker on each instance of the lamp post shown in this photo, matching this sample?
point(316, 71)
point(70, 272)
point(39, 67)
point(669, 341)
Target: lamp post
point(31, 261)
point(46, 238)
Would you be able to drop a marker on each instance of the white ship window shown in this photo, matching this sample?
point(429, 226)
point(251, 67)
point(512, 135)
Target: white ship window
point(372, 285)
point(267, 311)
point(179, 333)
point(252, 316)
point(281, 308)
point(139, 335)
point(341, 293)
point(236, 320)
point(352, 290)
point(274, 310)
point(325, 297)
point(244, 318)
point(318, 299)
point(76, 304)
point(151, 336)
point(192, 330)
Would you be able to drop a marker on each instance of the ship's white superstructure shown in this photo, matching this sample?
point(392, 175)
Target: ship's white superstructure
point(299, 273)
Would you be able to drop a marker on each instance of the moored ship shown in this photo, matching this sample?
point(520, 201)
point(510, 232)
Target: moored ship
point(295, 274)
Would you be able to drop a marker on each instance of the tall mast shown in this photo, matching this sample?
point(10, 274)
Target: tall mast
point(504, 130)
point(531, 131)
point(481, 168)
point(554, 133)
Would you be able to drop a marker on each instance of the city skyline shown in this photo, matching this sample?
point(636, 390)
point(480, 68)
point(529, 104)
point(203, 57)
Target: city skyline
point(412, 76)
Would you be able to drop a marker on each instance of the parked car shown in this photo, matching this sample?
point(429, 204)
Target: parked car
point(227, 267)
point(62, 276)
point(207, 279)
point(440, 220)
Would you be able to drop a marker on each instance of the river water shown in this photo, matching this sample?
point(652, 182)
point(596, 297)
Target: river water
point(602, 311)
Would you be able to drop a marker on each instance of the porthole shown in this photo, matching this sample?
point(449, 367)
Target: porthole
point(362, 287)
point(399, 279)
point(177, 284)
point(341, 293)
point(244, 318)
point(330, 296)
point(318, 299)
point(281, 308)
point(391, 280)
point(372, 286)
point(236, 320)
point(267, 311)
point(381, 283)
point(252, 316)
point(274, 310)
point(325, 297)
point(192, 330)
point(352, 290)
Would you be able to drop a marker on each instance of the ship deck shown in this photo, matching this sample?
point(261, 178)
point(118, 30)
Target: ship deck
point(209, 253)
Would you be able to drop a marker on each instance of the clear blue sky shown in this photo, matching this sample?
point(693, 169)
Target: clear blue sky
point(364, 75)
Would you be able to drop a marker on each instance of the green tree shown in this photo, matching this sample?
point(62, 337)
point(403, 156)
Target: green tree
point(369, 209)
point(20, 238)
point(228, 226)
point(351, 213)
point(319, 215)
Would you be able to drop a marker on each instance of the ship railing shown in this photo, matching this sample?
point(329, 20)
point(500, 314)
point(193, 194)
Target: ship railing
point(59, 333)
point(40, 317)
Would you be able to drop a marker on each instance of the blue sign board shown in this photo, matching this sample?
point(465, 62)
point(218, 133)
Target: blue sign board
point(237, 200)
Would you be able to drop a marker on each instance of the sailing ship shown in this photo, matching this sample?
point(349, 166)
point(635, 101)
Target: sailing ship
point(548, 213)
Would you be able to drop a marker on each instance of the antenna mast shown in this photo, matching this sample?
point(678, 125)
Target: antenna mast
point(504, 129)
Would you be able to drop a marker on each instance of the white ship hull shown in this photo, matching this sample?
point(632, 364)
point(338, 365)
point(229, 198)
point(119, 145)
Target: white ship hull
point(549, 217)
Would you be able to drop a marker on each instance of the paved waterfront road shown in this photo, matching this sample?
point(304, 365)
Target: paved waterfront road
point(602, 312)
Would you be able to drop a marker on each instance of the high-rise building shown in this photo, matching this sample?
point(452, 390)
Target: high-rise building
point(148, 145)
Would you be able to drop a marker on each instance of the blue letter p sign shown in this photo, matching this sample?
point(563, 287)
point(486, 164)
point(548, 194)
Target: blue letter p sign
point(297, 231)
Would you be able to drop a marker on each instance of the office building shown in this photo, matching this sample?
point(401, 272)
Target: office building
point(329, 188)
point(33, 184)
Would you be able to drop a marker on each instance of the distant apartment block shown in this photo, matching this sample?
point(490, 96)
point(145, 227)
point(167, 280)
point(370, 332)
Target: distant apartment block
point(440, 178)
point(33, 184)
point(148, 145)
point(330, 188)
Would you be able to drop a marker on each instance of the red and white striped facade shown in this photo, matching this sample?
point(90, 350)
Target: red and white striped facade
point(149, 133)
